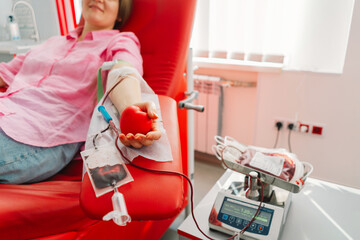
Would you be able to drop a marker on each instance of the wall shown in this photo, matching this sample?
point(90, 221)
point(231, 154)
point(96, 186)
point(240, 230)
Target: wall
point(332, 100)
point(46, 18)
point(4, 12)
point(239, 104)
point(329, 99)
point(45, 14)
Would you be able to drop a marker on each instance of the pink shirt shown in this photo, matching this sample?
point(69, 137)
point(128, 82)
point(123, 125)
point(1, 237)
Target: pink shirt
point(52, 88)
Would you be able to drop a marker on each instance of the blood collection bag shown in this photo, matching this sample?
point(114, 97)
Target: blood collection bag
point(277, 162)
point(105, 168)
point(281, 164)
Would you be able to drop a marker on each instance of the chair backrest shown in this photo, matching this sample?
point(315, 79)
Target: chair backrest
point(164, 29)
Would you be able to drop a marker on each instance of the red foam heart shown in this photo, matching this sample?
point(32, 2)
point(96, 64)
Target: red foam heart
point(134, 120)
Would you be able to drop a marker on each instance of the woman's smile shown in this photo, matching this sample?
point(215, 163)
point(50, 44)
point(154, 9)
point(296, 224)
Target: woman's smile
point(99, 15)
point(96, 7)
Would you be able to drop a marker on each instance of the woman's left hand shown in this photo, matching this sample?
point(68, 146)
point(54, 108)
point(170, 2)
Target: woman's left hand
point(138, 140)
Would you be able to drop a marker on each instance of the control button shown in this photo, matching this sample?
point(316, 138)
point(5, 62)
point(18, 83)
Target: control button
point(253, 226)
point(231, 219)
point(238, 221)
point(245, 222)
point(225, 216)
point(260, 228)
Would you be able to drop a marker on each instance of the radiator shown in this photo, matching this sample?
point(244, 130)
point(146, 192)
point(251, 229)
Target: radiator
point(208, 123)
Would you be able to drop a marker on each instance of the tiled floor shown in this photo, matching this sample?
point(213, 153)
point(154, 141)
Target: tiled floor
point(205, 176)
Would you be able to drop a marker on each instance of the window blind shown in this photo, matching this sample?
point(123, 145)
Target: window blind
point(300, 35)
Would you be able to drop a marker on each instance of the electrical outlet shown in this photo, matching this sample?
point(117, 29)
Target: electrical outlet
point(304, 128)
point(292, 125)
point(285, 124)
point(311, 128)
point(317, 130)
point(299, 126)
point(279, 124)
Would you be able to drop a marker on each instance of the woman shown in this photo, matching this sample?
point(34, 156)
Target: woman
point(46, 110)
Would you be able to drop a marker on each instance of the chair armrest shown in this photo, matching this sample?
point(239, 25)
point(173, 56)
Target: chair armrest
point(150, 196)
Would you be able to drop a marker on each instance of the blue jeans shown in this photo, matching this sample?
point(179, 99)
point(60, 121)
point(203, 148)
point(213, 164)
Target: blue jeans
point(22, 163)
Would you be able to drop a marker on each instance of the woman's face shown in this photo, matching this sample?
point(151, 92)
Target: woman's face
point(100, 14)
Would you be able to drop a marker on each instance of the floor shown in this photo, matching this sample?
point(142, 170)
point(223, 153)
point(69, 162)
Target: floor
point(205, 176)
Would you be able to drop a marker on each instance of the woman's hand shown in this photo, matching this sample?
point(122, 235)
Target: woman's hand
point(138, 140)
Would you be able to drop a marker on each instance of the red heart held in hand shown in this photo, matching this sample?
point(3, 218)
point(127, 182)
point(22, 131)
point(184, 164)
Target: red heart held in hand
point(134, 120)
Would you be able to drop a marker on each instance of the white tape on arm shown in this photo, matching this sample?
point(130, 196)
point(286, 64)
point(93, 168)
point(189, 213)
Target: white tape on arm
point(115, 75)
point(108, 65)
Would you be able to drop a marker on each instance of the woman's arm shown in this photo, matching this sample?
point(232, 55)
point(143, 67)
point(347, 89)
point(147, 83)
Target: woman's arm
point(128, 93)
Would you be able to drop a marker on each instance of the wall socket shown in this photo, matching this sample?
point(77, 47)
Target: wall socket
point(300, 126)
point(311, 128)
point(285, 124)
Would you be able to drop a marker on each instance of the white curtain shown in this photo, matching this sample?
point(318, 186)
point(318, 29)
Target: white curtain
point(298, 34)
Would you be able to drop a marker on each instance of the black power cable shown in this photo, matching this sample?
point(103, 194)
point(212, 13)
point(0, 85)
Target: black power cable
point(278, 125)
point(291, 128)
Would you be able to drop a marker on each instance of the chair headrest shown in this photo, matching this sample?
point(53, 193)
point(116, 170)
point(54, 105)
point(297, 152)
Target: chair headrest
point(164, 29)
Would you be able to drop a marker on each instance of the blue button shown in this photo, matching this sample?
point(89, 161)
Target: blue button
point(225, 216)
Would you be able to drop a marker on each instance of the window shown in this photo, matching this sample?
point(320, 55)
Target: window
point(302, 35)
point(77, 5)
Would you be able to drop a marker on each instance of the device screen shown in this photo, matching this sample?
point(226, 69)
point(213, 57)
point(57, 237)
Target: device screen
point(246, 213)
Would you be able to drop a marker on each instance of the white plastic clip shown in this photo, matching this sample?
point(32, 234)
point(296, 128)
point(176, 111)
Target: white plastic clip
point(237, 236)
point(120, 215)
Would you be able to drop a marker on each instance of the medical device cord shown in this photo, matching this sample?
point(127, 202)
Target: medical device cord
point(289, 142)
point(192, 191)
point(259, 180)
point(278, 125)
point(171, 173)
point(113, 127)
point(96, 135)
point(112, 88)
point(290, 128)
point(277, 138)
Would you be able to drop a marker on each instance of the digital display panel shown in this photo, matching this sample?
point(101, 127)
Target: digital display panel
point(246, 213)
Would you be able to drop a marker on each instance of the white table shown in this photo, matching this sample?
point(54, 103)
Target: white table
point(322, 210)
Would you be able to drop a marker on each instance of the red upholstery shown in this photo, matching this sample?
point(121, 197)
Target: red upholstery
point(163, 28)
point(51, 209)
point(41, 209)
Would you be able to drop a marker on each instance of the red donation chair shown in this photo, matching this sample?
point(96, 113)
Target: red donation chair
point(65, 206)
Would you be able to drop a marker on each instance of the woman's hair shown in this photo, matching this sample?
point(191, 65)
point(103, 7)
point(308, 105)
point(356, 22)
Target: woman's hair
point(125, 7)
